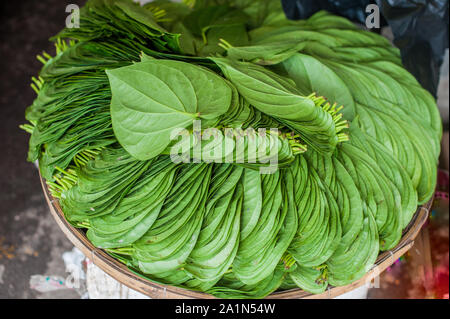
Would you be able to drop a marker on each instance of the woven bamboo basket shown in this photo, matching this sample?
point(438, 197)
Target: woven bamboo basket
point(122, 274)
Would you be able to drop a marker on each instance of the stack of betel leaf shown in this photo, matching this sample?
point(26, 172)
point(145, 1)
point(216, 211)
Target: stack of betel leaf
point(348, 179)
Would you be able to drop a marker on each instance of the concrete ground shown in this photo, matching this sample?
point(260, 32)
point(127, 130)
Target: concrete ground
point(30, 241)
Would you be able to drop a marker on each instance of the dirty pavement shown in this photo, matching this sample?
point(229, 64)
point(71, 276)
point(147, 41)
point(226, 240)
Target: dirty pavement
point(30, 241)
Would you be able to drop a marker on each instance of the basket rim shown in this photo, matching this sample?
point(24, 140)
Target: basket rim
point(121, 273)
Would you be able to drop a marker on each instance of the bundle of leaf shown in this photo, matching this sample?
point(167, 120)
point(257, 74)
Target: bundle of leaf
point(356, 143)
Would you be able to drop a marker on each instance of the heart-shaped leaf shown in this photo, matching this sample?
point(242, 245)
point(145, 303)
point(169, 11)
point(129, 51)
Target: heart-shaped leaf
point(152, 99)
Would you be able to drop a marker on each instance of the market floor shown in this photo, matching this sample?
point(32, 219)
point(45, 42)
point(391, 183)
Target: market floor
point(30, 241)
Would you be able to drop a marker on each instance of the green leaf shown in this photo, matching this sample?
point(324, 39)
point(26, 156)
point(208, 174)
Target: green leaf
point(265, 54)
point(252, 203)
point(187, 40)
point(151, 99)
point(138, 13)
point(317, 122)
point(310, 75)
point(234, 34)
point(201, 20)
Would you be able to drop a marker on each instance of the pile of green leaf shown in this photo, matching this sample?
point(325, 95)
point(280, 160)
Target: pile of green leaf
point(349, 179)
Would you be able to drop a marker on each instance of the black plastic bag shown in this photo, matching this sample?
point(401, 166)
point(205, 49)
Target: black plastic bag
point(420, 29)
point(303, 9)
